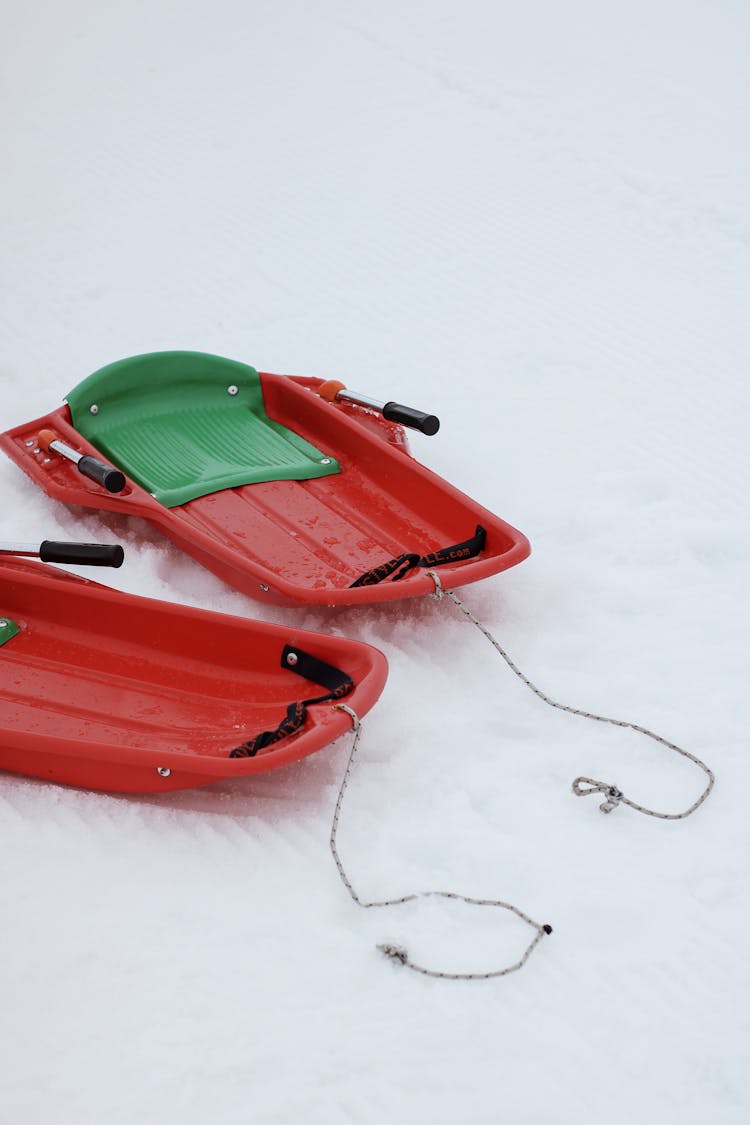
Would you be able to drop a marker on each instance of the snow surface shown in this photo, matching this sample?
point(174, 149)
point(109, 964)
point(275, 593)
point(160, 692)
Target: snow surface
point(534, 221)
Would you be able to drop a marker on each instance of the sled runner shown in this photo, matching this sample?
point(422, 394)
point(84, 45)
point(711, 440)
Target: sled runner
point(128, 694)
point(292, 490)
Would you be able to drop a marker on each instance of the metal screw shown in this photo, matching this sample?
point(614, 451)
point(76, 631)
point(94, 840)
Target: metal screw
point(292, 658)
point(3, 624)
point(263, 587)
point(325, 460)
point(163, 771)
point(31, 441)
point(233, 390)
point(93, 409)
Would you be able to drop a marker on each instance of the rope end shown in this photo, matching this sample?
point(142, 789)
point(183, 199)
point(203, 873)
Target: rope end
point(394, 952)
point(614, 796)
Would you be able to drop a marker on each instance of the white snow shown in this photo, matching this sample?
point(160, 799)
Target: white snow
point(532, 220)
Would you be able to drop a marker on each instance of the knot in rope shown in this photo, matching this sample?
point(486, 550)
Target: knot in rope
point(395, 952)
point(584, 786)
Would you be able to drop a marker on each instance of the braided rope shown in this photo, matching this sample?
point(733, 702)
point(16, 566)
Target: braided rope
point(583, 786)
point(397, 953)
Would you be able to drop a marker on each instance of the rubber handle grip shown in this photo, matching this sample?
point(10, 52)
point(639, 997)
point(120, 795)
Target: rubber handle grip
point(83, 554)
point(112, 479)
point(408, 416)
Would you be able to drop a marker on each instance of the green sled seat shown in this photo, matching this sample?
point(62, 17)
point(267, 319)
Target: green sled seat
point(186, 424)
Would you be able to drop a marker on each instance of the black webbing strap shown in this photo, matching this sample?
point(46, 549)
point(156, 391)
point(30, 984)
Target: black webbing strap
point(310, 668)
point(406, 562)
point(380, 573)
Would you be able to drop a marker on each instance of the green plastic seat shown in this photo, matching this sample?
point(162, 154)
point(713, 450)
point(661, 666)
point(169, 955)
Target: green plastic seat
point(185, 424)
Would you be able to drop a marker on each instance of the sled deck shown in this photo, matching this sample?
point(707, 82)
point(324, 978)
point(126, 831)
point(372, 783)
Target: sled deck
point(285, 495)
point(111, 691)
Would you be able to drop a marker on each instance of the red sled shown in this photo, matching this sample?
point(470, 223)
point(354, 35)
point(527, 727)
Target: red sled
point(111, 691)
point(292, 490)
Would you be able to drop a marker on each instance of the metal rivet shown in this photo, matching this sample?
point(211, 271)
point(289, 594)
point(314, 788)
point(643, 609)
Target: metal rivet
point(93, 409)
point(3, 624)
point(292, 658)
point(233, 390)
point(46, 460)
point(325, 460)
point(163, 771)
point(263, 587)
point(31, 441)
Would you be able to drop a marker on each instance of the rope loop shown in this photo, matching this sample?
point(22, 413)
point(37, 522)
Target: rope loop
point(585, 786)
point(356, 721)
point(438, 595)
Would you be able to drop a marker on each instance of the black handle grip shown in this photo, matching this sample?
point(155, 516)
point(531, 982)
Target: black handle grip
point(408, 416)
point(112, 479)
point(83, 554)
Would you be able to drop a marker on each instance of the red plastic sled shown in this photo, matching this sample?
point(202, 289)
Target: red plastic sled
point(291, 541)
point(127, 694)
